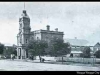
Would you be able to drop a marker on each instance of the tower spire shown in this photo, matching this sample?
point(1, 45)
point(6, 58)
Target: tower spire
point(24, 5)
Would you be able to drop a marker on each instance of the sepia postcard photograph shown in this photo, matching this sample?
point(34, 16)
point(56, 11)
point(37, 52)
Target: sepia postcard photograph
point(50, 36)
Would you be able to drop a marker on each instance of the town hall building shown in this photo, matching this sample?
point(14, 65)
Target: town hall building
point(25, 34)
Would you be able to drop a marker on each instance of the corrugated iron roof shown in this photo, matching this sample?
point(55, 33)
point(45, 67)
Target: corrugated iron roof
point(97, 45)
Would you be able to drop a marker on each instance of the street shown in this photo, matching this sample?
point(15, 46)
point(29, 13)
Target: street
point(10, 65)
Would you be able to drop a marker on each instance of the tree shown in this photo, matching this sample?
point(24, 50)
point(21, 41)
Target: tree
point(59, 48)
point(14, 52)
point(1, 48)
point(37, 48)
point(86, 52)
point(97, 54)
point(31, 53)
point(10, 50)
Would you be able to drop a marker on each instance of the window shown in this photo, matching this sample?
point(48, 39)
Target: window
point(20, 25)
point(26, 40)
point(20, 41)
point(37, 38)
point(46, 38)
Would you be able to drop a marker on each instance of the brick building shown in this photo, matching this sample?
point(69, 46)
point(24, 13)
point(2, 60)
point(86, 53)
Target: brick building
point(25, 34)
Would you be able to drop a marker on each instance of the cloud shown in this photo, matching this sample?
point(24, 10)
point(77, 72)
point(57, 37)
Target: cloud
point(75, 19)
point(8, 32)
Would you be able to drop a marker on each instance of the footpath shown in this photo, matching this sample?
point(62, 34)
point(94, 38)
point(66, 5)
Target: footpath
point(54, 62)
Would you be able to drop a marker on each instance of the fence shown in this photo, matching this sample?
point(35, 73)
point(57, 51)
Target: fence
point(79, 60)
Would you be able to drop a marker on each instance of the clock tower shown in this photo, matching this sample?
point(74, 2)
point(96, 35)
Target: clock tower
point(23, 35)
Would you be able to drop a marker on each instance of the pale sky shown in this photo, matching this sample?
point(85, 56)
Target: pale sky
point(75, 19)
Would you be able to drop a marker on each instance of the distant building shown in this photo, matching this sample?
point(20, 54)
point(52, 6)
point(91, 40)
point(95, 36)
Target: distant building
point(77, 45)
point(77, 50)
point(96, 47)
point(76, 53)
point(25, 34)
point(77, 42)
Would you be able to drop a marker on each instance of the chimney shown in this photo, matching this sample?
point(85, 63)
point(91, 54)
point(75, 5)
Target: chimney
point(48, 27)
point(56, 29)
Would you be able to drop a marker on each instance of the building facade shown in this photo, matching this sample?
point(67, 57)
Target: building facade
point(96, 47)
point(25, 34)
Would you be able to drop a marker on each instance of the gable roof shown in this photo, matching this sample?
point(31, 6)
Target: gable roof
point(77, 42)
point(97, 44)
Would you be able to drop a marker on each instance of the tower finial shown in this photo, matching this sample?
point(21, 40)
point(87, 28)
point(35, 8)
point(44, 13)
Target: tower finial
point(24, 5)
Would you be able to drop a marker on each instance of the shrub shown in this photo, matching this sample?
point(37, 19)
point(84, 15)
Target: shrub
point(86, 52)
